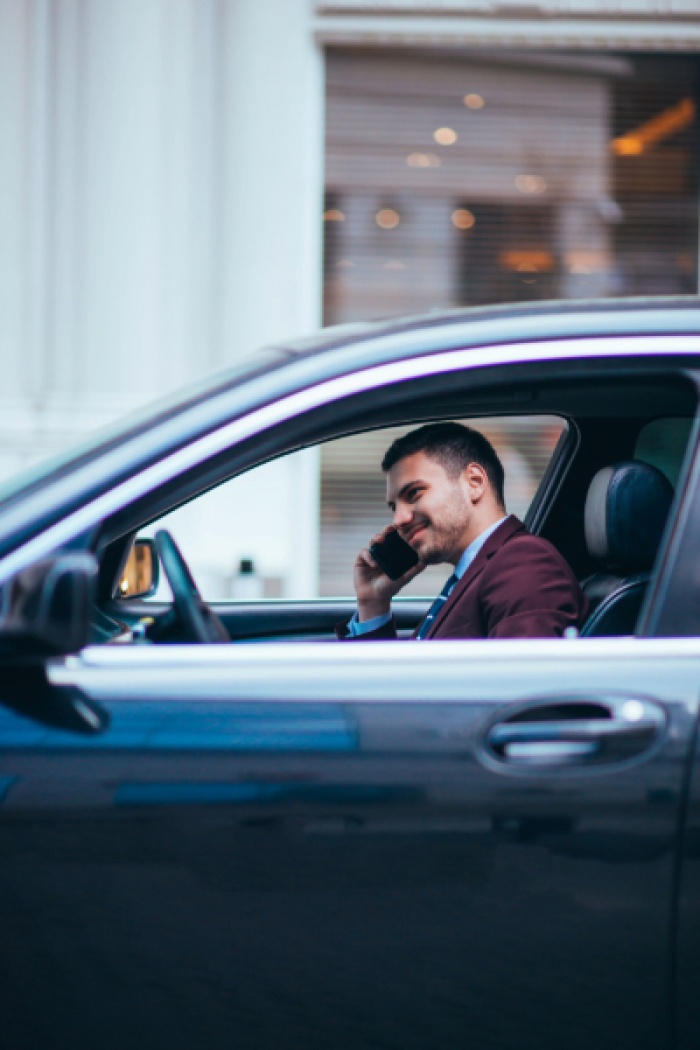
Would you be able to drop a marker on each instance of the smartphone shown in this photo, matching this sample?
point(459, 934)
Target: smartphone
point(394, 555)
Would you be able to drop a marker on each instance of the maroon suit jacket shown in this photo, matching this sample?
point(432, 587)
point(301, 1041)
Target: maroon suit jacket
point(518, 586)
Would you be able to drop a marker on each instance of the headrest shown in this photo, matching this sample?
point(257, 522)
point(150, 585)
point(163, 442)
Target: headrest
point(626, 510)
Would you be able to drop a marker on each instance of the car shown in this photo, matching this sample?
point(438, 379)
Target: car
point(292, 841)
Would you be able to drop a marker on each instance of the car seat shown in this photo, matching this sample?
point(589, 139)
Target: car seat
point(625, 514)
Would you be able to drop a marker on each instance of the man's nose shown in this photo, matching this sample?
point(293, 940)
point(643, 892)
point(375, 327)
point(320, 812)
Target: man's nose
point(402, 516)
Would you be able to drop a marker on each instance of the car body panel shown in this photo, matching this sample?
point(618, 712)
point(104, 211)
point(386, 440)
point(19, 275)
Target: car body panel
point(292, 845)
point(686, 929)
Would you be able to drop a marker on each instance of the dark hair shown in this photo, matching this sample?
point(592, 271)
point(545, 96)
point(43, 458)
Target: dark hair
point(454, 447)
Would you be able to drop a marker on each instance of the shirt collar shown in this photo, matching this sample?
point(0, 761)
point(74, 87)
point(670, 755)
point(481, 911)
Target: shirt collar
point(474, 548)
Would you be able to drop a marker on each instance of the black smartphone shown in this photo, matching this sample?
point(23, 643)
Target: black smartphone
point(394, 555)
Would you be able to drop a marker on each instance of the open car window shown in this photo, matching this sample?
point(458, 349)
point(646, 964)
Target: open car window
point(253, 538)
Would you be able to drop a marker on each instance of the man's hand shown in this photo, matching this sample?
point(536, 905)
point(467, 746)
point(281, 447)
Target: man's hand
point(373, 587)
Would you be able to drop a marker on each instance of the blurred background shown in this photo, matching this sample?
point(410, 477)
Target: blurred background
point(185, 181)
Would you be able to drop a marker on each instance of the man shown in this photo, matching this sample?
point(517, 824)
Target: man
point(445, 490)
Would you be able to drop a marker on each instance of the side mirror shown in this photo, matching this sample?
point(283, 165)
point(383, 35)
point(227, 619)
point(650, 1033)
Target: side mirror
point(141, 572)
point(48, 607)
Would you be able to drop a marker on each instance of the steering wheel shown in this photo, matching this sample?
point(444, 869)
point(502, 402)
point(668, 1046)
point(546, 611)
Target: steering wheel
point(199, 622)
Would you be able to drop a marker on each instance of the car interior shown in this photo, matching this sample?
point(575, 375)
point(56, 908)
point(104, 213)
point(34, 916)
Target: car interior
point(604, 500)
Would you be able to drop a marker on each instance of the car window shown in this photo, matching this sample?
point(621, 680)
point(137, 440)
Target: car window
point(663, 443)
point(353, 499)
point(292, 528)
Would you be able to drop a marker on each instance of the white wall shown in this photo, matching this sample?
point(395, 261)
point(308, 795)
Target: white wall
point(161, 168)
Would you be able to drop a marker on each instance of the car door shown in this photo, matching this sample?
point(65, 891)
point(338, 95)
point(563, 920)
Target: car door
point(310, 845)
point(686, 934)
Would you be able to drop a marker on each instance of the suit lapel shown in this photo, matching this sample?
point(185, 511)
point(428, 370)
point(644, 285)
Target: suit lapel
point(495, 541)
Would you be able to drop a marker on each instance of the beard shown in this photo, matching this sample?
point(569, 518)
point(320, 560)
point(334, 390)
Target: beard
point(443, 539)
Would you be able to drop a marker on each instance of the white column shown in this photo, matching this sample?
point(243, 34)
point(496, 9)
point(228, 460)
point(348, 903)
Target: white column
point(270, 227)
point(145, 225)
point(272, 172)
point(107, 209)
point(23, 218)
point(161, 180)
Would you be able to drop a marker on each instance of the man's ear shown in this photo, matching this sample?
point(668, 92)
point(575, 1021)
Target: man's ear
point(476, 481)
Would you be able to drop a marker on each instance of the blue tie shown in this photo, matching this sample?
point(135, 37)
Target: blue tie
point(436, 607)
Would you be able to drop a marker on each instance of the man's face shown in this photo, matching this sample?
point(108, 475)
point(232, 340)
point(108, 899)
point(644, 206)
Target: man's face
point(432, 511)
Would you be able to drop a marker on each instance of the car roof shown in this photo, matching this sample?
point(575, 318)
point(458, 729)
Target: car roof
point(549, 319)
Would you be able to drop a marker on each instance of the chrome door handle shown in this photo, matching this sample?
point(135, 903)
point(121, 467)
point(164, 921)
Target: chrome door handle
point(577, 730)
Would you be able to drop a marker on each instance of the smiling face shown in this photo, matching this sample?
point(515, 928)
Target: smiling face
point(437, 514)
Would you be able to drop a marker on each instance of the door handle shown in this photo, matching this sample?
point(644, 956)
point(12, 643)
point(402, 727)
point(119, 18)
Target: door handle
point(577, 730)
